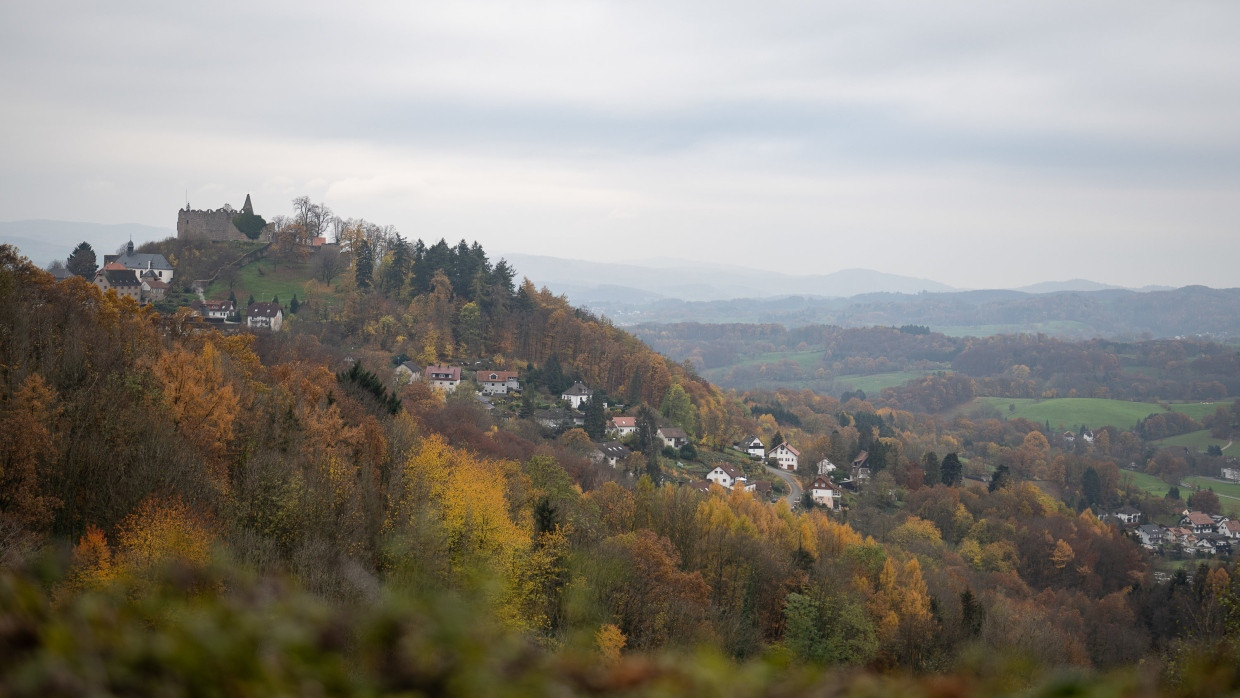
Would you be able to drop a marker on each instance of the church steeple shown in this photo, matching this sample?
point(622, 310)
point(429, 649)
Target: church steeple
point(247, 208)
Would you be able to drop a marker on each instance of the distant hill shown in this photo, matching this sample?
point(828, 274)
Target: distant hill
point(1077, 285)
point(1116, 314)
point(587, 283)
point(43, 241)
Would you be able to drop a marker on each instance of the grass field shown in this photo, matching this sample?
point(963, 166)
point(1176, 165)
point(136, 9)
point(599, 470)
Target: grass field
point(1196, 440)
point(1228, 490)
point(1058, 328)
point(1199, 410)
point(1147, 482)
point(874, 383)
point(1073, 412)
point(265, 279)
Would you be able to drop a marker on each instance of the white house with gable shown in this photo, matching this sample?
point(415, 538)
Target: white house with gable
point(824, 492)
point(727, 476)
point(785, 456)
point(577, 395)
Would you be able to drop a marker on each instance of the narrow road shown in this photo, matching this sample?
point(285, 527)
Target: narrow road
point(794, 496)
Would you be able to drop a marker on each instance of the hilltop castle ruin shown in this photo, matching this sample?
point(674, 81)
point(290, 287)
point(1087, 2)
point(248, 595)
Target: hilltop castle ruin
point(216, 225)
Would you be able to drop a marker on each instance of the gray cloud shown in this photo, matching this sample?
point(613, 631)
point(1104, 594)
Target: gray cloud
point(896, 135)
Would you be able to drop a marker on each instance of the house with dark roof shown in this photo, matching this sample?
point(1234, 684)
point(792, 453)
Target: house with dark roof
point(613, 452)
point(1151, 535)
point(407, 372)
point(141, 262)
point(701, 485)
point(119, 280)
point(577, 395)
point(753, 446)
point(673, 436)
point(267, 316)
point(555, 418)
point(825, 492)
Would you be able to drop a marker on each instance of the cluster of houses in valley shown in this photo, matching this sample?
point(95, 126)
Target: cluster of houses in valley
point(1198, 533)
point(146, 278)
point(258, 316)
point(447, 379)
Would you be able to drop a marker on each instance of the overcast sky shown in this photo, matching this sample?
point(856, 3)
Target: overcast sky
point(979, 144)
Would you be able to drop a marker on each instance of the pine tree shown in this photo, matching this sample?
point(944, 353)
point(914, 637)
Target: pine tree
point(364, 264)
point(596, 420)
point(294, 304)
point(952, 469)
point(82, 261)
point(776, 440)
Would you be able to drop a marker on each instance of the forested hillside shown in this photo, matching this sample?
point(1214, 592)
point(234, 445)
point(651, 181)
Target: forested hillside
point(1018, 366)
point(184, 509)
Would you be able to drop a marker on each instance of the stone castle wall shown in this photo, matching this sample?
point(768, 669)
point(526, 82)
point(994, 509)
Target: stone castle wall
point(213, 225)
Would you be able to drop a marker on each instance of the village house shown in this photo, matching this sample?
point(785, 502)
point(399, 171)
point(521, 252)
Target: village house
point(497, 382)
point(267, 316)
point(1232, 474)
point(825, 466)
point(701, 485)
point(622, 426)
point(1151, 535)
point(408, 372)
point(673, 436)
point(138, 263)
point(154, 289)
point(123, 281)
point(1230, 528)
point(754, 447)
point(577, 395)
point(786, 457)
point(217, 311)
point(445, 378)
point(824, 492)
point(613, 452)
point(1199, 521)
point(555, 418)
point(730, 477)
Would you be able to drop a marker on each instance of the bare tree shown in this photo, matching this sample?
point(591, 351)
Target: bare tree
point(314, 218)
point(328, 263)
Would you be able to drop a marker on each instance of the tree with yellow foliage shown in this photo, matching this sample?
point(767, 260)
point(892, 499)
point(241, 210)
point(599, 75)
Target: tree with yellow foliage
point(162, 530)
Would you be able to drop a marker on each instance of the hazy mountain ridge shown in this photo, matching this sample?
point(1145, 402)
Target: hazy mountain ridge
point(42, 241)
point(592, 282)
point(1115, 314)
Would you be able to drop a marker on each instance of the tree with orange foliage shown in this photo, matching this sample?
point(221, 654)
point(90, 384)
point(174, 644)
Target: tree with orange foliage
point(653, 601)
point(200, 400)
